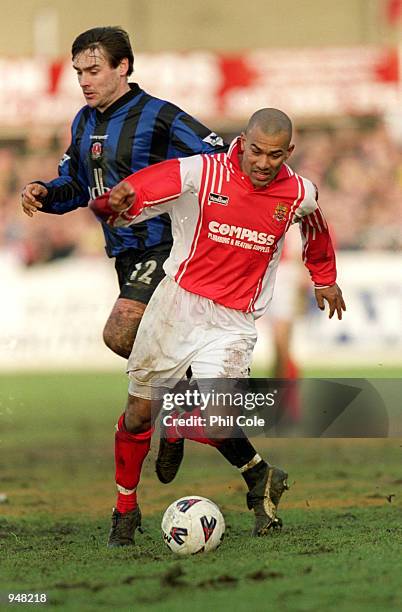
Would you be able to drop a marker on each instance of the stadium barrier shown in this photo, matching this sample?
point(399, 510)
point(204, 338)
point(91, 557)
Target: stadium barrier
point(52, 316)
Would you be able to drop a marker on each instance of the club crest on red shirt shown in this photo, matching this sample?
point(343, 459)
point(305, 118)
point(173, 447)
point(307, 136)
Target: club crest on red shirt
point(280, 212)
point(96, 150)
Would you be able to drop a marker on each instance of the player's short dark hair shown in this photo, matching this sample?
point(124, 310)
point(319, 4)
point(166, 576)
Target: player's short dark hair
point(270, 121)
point(114, 41)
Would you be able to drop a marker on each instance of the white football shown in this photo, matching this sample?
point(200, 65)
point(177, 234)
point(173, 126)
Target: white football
point(193, 524)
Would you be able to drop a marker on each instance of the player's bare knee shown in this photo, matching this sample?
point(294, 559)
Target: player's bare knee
point(136, 424)
point(120, 345)
point(137, 416)
point(108, 337)
point(121, 327)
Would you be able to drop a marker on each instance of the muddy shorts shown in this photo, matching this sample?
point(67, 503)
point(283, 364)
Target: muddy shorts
point(181, 329)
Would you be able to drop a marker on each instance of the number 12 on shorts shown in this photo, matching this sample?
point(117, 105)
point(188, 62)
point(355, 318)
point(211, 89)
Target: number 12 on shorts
point(143, 272)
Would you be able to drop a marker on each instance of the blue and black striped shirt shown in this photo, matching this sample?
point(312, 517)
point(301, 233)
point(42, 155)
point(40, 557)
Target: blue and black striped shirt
point(134, 132)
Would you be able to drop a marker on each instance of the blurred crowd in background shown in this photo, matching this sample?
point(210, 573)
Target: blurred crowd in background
point(358, 171)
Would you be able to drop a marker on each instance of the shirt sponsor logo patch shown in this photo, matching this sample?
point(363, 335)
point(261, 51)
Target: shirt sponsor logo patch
point(280, 212)
point(217, 198)
point(238, 236)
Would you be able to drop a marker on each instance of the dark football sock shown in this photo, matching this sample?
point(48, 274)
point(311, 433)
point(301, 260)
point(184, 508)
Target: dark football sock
point(238, 451)
point(254, 473)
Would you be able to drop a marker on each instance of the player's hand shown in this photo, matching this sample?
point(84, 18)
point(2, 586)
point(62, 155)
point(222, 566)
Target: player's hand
point(121, 197)
point(31, 198)
point(333, 295)
point(113, 207)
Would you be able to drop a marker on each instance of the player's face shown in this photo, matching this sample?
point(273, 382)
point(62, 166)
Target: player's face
point(263, 155)
point(100, 83)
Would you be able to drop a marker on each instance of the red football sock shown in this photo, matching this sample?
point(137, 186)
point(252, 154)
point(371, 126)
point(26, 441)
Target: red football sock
point(130, 452)
point(170, 432)
point(190, 432)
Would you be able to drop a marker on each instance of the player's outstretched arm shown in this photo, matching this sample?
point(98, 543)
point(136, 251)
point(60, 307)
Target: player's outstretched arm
point(333, 295)
point(111, 207)
point(155, 187)
point(31, 198)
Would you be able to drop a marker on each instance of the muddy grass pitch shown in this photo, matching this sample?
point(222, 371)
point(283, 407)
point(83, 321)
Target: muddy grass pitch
point(340, 548)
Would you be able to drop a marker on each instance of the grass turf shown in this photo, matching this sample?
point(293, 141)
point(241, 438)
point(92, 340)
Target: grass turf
point(323, 560)
point(339, 549)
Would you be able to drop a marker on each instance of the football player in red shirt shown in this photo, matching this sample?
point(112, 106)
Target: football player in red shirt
point(230, 213)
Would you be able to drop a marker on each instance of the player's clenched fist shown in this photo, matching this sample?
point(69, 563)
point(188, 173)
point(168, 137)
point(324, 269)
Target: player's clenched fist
point(31, 198)
point(121, 197)
point(114, 206)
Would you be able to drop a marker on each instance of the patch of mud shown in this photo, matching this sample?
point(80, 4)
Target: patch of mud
point(80, 585)
point(319, 550)
point(219, 581)
point(173, 577)
point(264, 575)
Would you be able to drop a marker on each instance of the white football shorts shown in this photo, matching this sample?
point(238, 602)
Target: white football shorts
point(181, 329)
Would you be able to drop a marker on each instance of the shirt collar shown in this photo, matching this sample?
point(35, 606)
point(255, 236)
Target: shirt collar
point(129, 95)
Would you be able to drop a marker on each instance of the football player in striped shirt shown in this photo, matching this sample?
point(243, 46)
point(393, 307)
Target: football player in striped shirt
point(120, 130)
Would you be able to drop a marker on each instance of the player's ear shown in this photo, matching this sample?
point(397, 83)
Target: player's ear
point(290, 151)
point(242, 141)
point(123, 66)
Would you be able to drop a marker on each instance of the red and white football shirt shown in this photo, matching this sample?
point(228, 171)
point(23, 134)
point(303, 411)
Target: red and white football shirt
point(227, 234)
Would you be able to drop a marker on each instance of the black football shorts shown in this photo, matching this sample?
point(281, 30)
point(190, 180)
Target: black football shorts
point(140, 272)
